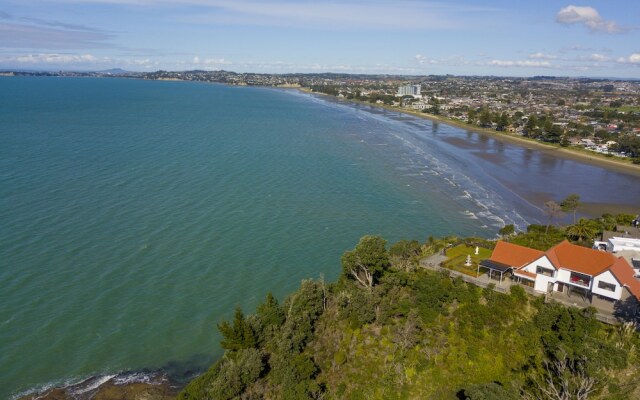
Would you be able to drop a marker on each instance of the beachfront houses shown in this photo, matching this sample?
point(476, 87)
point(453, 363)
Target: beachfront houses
point(601, 278)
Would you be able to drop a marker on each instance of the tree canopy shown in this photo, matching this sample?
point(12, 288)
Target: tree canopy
point(367, 261)
point(571, 204)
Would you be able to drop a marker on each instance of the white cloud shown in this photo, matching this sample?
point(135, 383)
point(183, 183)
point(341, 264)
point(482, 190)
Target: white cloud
point(53, 59)
point(452, 61)
point(286, 67)
point(216, 61)
point(420, 59)
point(541, 56)
point(598, 57)
point(520, 63)
point(589, 17)
point(632, 59)
point(207, 63)
point(74, 61)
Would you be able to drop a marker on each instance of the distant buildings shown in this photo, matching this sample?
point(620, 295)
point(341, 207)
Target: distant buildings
point(409, 90)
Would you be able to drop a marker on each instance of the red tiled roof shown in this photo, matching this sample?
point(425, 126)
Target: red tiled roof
point(625, 275)
point(524, 273)
point(514, 255)
point(579, 259)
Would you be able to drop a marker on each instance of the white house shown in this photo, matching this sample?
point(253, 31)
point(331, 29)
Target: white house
point(599, 277)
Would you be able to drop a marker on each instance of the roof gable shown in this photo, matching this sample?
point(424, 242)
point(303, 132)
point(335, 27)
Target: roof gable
point(625, 275)
point(514, 255)
point(579, 259)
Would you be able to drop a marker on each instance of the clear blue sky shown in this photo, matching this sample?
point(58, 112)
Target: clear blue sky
point(499, 37)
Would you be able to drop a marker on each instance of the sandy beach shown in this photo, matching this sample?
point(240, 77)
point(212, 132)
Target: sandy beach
point(615, 164)
point(576, 154)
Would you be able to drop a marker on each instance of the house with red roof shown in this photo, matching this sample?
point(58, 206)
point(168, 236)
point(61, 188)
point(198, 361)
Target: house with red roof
point(600, 277)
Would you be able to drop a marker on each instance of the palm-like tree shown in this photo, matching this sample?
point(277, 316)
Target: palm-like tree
point(582, 229)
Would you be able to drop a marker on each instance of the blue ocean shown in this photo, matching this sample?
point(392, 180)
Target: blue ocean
point(136, 215)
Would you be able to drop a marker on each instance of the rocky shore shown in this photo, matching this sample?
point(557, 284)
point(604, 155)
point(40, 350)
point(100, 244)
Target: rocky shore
point(136, 386)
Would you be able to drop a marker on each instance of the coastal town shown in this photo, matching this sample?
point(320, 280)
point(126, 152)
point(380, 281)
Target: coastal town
point(587, 114)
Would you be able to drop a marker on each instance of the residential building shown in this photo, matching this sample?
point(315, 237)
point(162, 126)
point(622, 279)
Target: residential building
point(409, 90)
point(419, 105)
point(623, 239)
point(599, 277)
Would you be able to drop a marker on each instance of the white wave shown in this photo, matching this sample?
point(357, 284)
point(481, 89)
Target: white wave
point(469, 214)
point(450, 182)
point(138, 377)
point(77, 386)
point(92, 384)
point(40, 390)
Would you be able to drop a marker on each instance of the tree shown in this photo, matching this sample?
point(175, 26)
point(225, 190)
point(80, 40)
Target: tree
point(485, 118)
point(238, 336)
point(236, 374)
point(404, 253)
point(269, 312)
point(562, 379)
point(471, 116)
point(531, 125)
point(507, 230)
point(554, 134)
point(503, 122)
point(367, 261)
point(488, 391)
point(583, 229)
point(571, 204)
point(553, 211)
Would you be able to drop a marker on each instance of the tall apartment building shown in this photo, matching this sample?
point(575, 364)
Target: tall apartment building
point(409, 90)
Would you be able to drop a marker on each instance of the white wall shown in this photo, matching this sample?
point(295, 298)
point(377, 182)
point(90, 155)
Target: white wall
point(607, 277)
point(564, 275)
point(542, 282)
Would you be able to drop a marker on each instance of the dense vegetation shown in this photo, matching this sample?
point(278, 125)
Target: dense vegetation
point(389, 330)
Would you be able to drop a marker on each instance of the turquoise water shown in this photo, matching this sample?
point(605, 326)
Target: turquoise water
point(136, 215)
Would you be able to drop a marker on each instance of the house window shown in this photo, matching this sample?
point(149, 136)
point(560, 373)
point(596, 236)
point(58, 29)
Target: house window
point(526, 282)
point(543, 271)
point(607, 286)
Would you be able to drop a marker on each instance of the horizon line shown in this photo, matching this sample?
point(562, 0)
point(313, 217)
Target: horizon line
point(4, 70)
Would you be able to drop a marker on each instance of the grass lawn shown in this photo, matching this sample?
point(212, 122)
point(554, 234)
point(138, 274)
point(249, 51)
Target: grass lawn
point(458, 256)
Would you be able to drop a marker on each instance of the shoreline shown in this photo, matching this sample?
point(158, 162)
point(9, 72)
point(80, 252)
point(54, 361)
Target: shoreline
point(565, 152)
point(157, 385)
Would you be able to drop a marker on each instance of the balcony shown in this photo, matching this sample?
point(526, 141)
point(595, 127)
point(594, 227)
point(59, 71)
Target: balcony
point(580, 280)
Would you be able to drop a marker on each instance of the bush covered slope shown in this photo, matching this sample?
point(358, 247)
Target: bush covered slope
point(388, 330)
